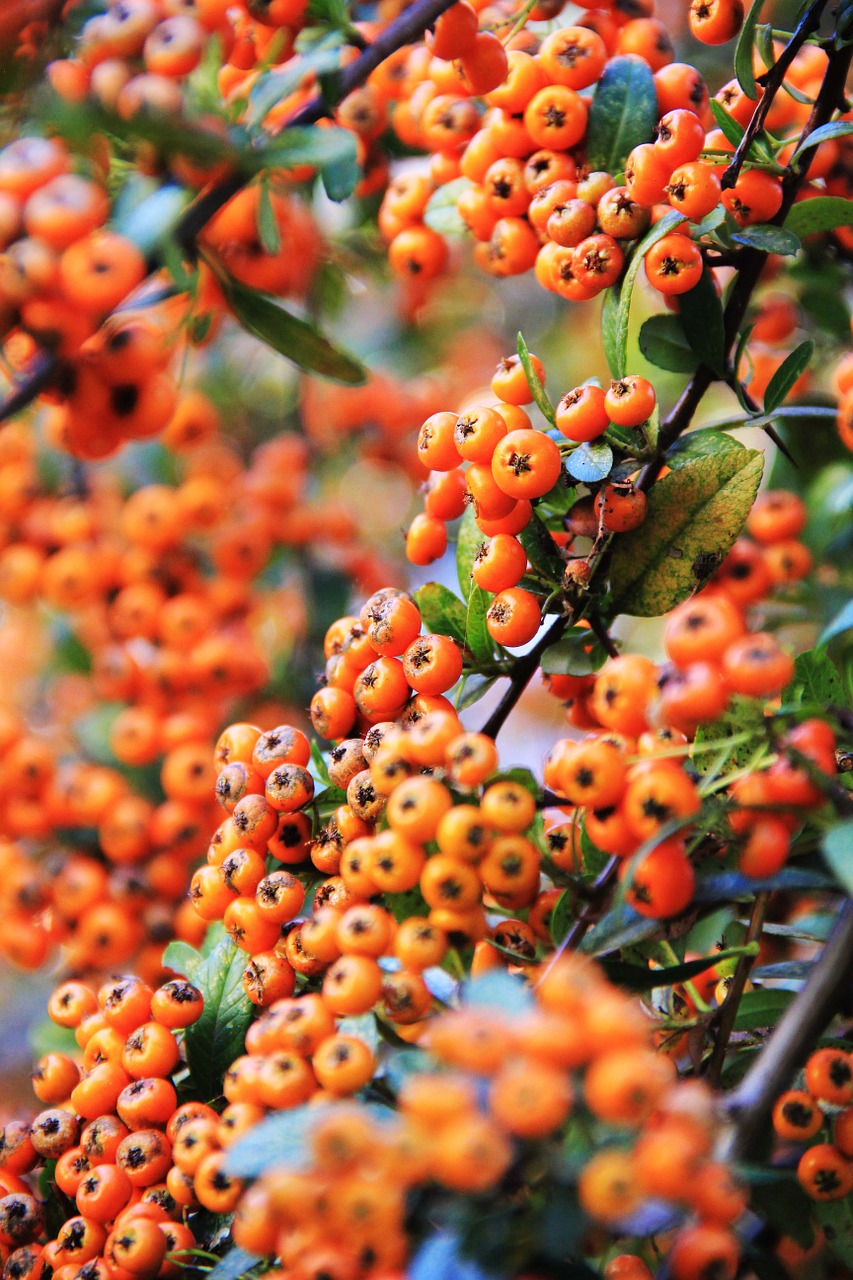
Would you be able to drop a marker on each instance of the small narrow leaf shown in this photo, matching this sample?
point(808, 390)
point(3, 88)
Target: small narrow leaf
point(786, 375)
point(468, 542)
point(441, 213)
point(297, 339)
point(728, 125)
point(610, 329)
point(837, 849)
point(743, 50)
point(623, 113)
point(477, 637)
point(700, 312)
point(273, 86)
point(811, 217)
point(542, 550)
point(442, 611)
point(663, 343)
point(268, 229)
point(618, 357)
point(234, 1265)
point(769, 239)
point(694, 515)
point(590, 462)
point(837, 129)
point(536, 389)
point(474, 687)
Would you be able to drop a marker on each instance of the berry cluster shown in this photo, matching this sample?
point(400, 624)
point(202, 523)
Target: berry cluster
point(496, 1095)
point(105, 1141)
point(825, 1169)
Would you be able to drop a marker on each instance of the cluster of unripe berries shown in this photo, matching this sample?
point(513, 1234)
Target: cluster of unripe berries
point(499, 1090)
point(105, 1141)
point(822, 1108)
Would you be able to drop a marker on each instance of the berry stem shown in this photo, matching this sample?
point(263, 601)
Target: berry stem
point(728, 1012)
point(826, 990)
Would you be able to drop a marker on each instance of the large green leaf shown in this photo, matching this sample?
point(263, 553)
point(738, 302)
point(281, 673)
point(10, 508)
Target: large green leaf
point(298, 339)
point(743, 50)
point(837, 848)
point(703, 443)
point(468, 542)
point(477, 637)
point(623, 113)
point(218, 1037)
point(443, 612)
point(616, 330)
point(664, 345)
point(694, 516)
point(700, 313)
point(836, 1219)
point(762, 1007)
point(816, 680)
point(810, 217)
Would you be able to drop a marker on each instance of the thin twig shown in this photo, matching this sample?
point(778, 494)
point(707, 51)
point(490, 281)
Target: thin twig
point(827, 986)
point(773, 80)
point(728, 1012)
point(39, 375)
point(523, 671)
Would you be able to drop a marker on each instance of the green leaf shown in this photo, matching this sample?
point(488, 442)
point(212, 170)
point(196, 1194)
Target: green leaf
point(153, 220)
point(816, 680)
point(727, 885)
point(299, 340)
point(843, 621)
point(694, 516)
point(636, 978)
point(729, 126)
point(623, 113)
point(663, 343)
point(536, 389)
point(743, 50)
point(742, 716)
point(620, 927)
point(610, 328)
point(837, 129)
point(837, 849)
point(268, 229)
point(785, 1206)
point(474, 687)
point(791, 368)
point(700, 312)
point(562, 917)
point(578, 653)
point(590, 462)
point(477, 637)
point(836, 1219)
point(468, 542)
point(183, 958)
point(273, 86)
point(443, 612)
point(234, 1265)
point(542, 550)
point(617, 339)
point(218, 1037)
point(278, 1142)
point(706, 442)
point(524, 777)
point(769, 239)
point(811, 217)
point(332, 151)
point(764, 45)
point(441, 213)
point(499, 990)
point(761, 1007)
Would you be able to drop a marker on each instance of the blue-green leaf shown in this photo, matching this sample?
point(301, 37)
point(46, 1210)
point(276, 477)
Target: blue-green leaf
point(837, 849)
point(769, 239)
point(590, 462)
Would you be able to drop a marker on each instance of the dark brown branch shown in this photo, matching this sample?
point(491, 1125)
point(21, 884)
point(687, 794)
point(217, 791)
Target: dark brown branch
point(599, 894)
point(728, 1012)
point(39, 375)
point(828, 984)
point(773, 81)
point(522, 673)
